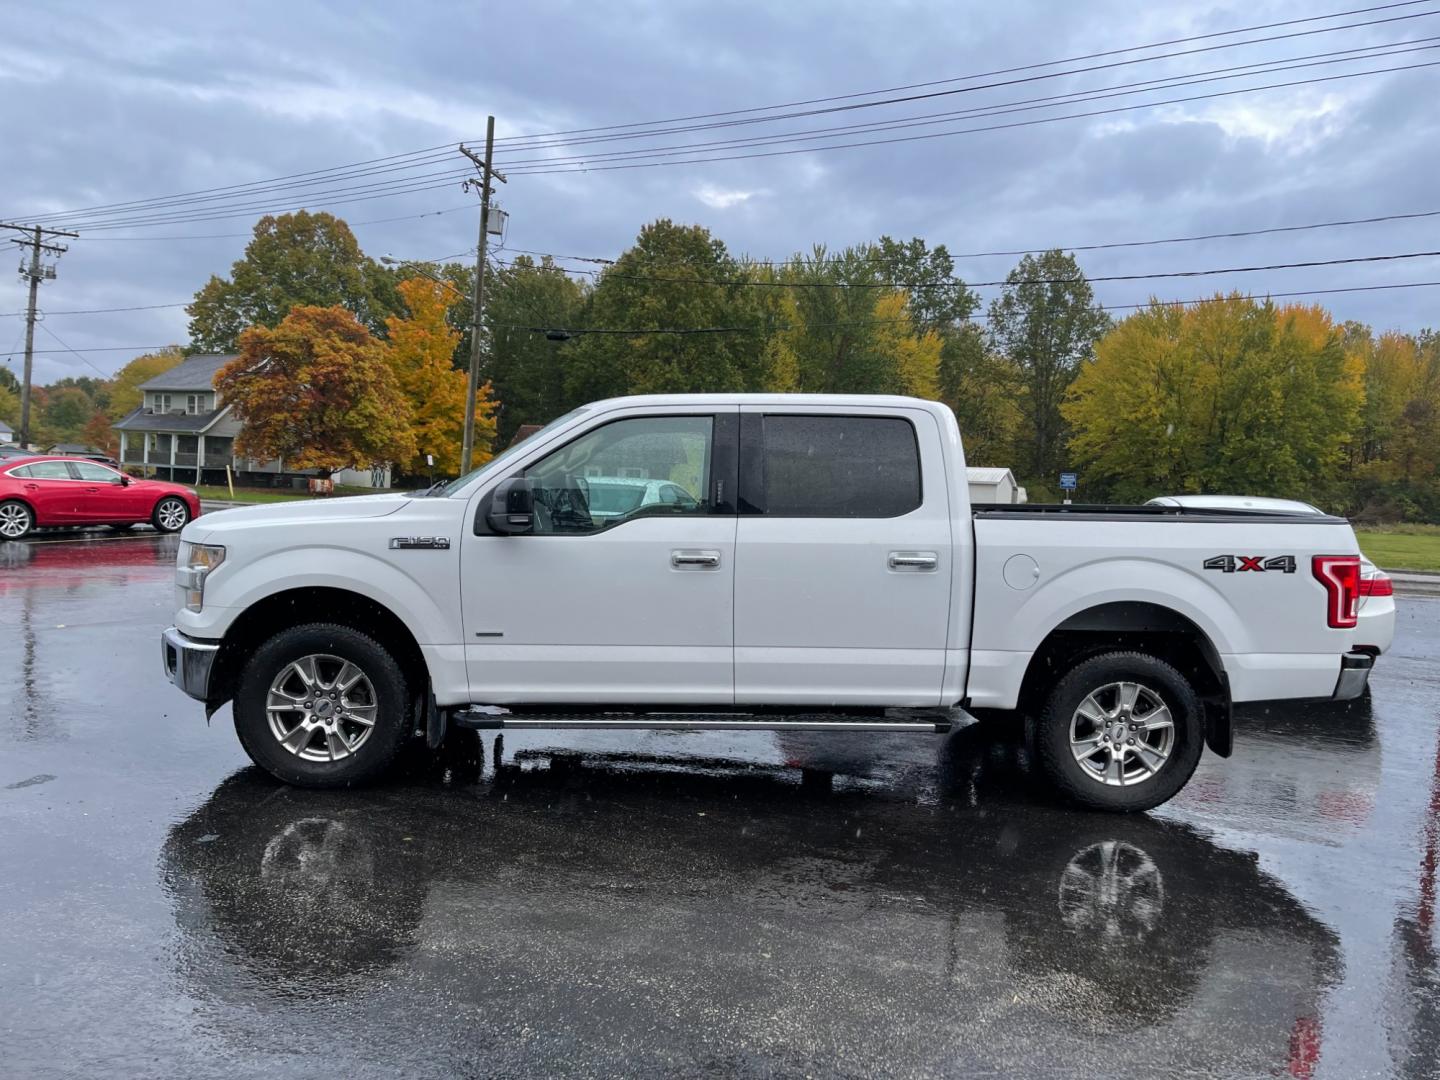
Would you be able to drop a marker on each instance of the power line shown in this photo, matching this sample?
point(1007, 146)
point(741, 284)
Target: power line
point(68, 349)
point(436, 153)
point(982, 74)
point(982, 86)
point(770, 328)
point(558, 333)
point(956, 283)
point(248, 235)
point(540, 170)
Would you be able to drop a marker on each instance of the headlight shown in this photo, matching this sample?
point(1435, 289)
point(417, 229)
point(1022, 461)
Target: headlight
point(192, 566)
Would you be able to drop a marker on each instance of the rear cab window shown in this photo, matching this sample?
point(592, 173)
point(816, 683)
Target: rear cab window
point(831, 466)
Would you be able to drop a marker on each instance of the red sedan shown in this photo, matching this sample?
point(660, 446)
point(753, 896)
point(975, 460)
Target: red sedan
point(40, 492)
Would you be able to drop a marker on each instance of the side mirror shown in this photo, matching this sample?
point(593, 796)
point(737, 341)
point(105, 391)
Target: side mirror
point(512, 507)
point(125, 480)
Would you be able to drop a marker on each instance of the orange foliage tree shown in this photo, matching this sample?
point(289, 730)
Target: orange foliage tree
point(316, 391)
point(419, 351)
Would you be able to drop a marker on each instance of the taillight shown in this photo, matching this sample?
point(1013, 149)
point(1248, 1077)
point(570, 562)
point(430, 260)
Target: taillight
point(1377, 584)
point(1340, 574)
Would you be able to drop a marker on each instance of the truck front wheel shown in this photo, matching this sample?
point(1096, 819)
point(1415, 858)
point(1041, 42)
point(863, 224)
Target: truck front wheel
point(321, 705)
point(1121, 731)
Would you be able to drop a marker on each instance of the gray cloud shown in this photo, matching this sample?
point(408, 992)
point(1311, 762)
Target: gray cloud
point(107, 103)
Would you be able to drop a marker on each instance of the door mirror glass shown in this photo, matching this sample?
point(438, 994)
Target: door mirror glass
point(511, 508)
point(124, 480)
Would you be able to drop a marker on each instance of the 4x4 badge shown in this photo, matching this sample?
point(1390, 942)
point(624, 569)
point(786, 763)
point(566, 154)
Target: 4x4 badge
point(1234, 564)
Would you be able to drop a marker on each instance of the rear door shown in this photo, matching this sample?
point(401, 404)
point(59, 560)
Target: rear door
point(843, 566)
point(52, 491)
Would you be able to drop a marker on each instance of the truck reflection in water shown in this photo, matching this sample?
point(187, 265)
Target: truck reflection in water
point(632, 913)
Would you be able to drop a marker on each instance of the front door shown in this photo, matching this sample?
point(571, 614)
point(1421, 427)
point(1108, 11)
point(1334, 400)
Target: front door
point(623, 593)
point(844, 578)
point(104, 495)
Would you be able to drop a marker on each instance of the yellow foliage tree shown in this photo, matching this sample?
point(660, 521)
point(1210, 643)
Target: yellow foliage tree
point(1229, 395)
point(420, 349)
point(125, 392)
point(916, 356)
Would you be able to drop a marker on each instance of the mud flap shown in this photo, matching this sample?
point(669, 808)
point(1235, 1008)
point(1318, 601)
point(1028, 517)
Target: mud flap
point(1219, 725)
point(435, 721)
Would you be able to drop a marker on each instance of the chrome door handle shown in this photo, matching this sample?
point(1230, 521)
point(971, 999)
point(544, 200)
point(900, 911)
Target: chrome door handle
point(914, 560)
point(694, 560)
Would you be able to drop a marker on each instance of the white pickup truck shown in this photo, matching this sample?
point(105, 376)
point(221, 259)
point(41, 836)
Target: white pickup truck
point(756, 562)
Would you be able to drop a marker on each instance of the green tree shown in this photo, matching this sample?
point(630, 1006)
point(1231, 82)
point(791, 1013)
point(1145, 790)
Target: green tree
point(527, 369)
point(9, 406)
point(1046, 322)
point(66, 412)
point(674, 277)
point(317, 391)
point(983, 389)
point(299, 259)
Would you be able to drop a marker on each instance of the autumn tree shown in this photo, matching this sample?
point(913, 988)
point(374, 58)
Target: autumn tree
point(299, 259)
point(421, 352)
point(1046, 322)
point(1225, 396)
point(125, 393)
point(983, 389)
point(317, 391)
point(100, 433)
point(66, 411)
point(9, 406)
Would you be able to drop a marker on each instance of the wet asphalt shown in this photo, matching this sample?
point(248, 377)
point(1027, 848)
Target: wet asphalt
point(688, 904)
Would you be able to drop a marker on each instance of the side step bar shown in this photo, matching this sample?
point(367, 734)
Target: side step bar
point(699, 722)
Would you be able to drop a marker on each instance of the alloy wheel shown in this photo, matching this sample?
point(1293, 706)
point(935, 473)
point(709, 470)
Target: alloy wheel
point(14, 521)
point(321, 707)
point(172, 514)
point(1122, 733)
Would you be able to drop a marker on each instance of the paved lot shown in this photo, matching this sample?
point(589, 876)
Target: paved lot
point(684, 904)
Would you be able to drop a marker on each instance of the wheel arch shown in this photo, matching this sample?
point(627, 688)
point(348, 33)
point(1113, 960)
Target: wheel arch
point(1136, 626)
point(318, 603)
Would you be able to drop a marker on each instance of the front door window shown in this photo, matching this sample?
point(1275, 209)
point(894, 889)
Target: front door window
point(644, 467)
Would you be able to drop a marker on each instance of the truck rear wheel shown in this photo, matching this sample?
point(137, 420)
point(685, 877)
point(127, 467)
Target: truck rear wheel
point(321, 706)
point(1121, 731)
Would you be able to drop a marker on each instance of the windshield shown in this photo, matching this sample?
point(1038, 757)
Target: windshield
point(512, 451)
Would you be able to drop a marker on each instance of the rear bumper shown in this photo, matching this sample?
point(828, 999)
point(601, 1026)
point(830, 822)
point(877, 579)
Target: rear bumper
point(1354, 675)
point(187, 662)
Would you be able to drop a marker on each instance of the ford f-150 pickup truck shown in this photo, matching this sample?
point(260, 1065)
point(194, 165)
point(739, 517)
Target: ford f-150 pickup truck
point(790, 562)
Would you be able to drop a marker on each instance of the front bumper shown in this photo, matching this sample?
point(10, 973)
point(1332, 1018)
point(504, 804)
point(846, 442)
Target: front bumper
point(187, 662)
point(1354, 675)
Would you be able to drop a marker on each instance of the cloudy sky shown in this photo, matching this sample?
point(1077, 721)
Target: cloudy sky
point(114, 103)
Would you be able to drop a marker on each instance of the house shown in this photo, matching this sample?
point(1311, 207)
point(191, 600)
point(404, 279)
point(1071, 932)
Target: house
point(994, 486)
point(183, 431)
point(7, 434)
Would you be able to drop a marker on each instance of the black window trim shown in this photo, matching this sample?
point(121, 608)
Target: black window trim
point(753, 494)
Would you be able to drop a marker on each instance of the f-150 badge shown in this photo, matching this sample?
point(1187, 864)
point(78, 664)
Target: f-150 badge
point(424, 543)
point(1235, 564)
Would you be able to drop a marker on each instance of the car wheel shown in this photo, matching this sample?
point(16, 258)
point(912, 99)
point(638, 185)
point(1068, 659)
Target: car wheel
point(170, 514)
point(321, 706)
point(16, 520)
point(1121, 731)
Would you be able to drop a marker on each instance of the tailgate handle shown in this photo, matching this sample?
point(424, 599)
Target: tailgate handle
point(694, 560)
point(914, 560)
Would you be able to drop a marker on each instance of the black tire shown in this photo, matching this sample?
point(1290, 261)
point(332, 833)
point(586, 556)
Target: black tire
point(170, 502)
point(367, 757)
point(121, 526)
point(1143, 788)
point(18, 518)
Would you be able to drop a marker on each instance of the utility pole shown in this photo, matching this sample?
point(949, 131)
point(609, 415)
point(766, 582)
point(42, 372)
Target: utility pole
point(467, 445)
point(35, 241)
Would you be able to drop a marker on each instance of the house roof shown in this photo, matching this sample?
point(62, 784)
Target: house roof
point(178, 423)
point(72, 448)
point(6, 428)
point(192, 373)
point(988, 476)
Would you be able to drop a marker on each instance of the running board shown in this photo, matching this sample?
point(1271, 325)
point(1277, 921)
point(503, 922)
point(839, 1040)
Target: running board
point(699, 722)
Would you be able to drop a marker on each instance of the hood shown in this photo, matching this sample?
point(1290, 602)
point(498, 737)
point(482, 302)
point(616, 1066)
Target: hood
point(300, 512)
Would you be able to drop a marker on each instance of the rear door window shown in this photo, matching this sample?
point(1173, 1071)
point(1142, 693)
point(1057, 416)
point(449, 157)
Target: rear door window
point(44, 470)
point(838, 466)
